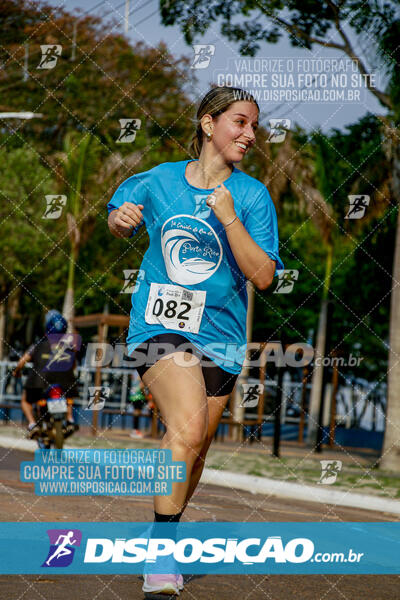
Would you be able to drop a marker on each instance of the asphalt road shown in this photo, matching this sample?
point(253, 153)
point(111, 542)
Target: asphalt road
point(211, 503)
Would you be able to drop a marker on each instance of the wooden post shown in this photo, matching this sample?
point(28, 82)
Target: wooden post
point(231, 410)
point(277, 417)
point(332, 424)
point(154, 423)
point(303, 403)
point(238, 411)
point(97, 378)
point(261, 399)
point(320, 432)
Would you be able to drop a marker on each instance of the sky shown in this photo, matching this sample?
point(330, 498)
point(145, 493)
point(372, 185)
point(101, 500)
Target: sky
point(335, 96)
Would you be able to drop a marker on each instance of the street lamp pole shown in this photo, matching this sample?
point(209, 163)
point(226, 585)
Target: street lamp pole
point(127, 8)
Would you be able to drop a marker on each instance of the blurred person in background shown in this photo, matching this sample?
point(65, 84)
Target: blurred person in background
point(53, 360)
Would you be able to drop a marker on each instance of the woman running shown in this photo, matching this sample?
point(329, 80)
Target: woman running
point(211, 227)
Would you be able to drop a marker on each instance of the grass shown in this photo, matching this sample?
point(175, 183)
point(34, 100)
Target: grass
point(353, 477)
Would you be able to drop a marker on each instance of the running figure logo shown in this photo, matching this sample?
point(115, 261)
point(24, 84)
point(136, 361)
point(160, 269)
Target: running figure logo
point(129, 127)
point(98, 395)
point(62, 547)
point(278, 130)
point(131, 286)
point(251, 394)
point(63, 349)
point(54, 207)
point(329, 471)
point(358, 205)
point(202, 55)
point(50, 54)
point(286, 280)
point(202, 211)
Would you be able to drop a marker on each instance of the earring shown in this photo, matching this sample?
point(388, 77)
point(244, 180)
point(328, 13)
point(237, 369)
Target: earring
point(209, 135)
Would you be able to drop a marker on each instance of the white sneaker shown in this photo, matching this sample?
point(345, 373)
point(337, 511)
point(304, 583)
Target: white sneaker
point(179, 581)
point(161, 584)
point(175, 579)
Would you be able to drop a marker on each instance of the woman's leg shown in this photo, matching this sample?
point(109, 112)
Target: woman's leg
point(216, 405)
point(179, 392)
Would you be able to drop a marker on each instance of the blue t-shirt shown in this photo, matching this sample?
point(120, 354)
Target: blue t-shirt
point(190, 252)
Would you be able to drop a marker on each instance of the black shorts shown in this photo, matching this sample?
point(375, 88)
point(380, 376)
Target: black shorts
point(33, 395)
point(218, 381)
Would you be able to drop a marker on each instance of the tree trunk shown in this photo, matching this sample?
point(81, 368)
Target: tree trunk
point(318, 370)
point(12, 312)
point(2, 328)
point(68, 307)
point(29, 330)
point(317, 376)
point(390, 458)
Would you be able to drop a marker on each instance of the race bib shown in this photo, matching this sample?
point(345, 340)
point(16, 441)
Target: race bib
point(175, 307)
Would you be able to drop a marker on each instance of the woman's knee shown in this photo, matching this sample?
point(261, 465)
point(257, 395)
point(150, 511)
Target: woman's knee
point(193, 435)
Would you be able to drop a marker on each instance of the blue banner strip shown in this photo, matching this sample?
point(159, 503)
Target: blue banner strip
point(225, 548)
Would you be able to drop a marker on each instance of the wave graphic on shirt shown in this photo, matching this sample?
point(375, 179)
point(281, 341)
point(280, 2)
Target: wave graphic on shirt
point(185, 271)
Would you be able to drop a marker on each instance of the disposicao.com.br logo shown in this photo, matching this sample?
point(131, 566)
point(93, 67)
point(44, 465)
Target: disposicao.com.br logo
point(192, 550)
point(187, 551)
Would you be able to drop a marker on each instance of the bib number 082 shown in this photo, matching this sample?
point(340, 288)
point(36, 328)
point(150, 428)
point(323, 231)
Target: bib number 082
point(169, 309)
point(175, 307)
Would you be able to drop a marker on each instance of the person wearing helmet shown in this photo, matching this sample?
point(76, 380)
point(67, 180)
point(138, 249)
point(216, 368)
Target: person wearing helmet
point(53, 361)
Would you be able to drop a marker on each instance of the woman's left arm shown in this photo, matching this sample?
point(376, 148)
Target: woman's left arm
point(252, 260)
point(254, 263)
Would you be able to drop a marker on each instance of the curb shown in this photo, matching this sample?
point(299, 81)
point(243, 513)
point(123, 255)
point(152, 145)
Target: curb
point(14, 443)
point(308, 493)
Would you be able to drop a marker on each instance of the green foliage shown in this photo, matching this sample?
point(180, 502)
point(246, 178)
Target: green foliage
point(107, 81)
point(23, 185)
point(29, 244)
point(344, 163)
point(293, 315)
point(75, 146)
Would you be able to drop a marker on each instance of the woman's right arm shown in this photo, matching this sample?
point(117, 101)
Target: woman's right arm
point(124, 219)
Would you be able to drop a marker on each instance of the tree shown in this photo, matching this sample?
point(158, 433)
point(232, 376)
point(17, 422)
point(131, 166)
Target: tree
point(24, 239)
point(108, 80)
point(326, 23)
point(79, 161)
point(360, 286)
point(83, 98)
